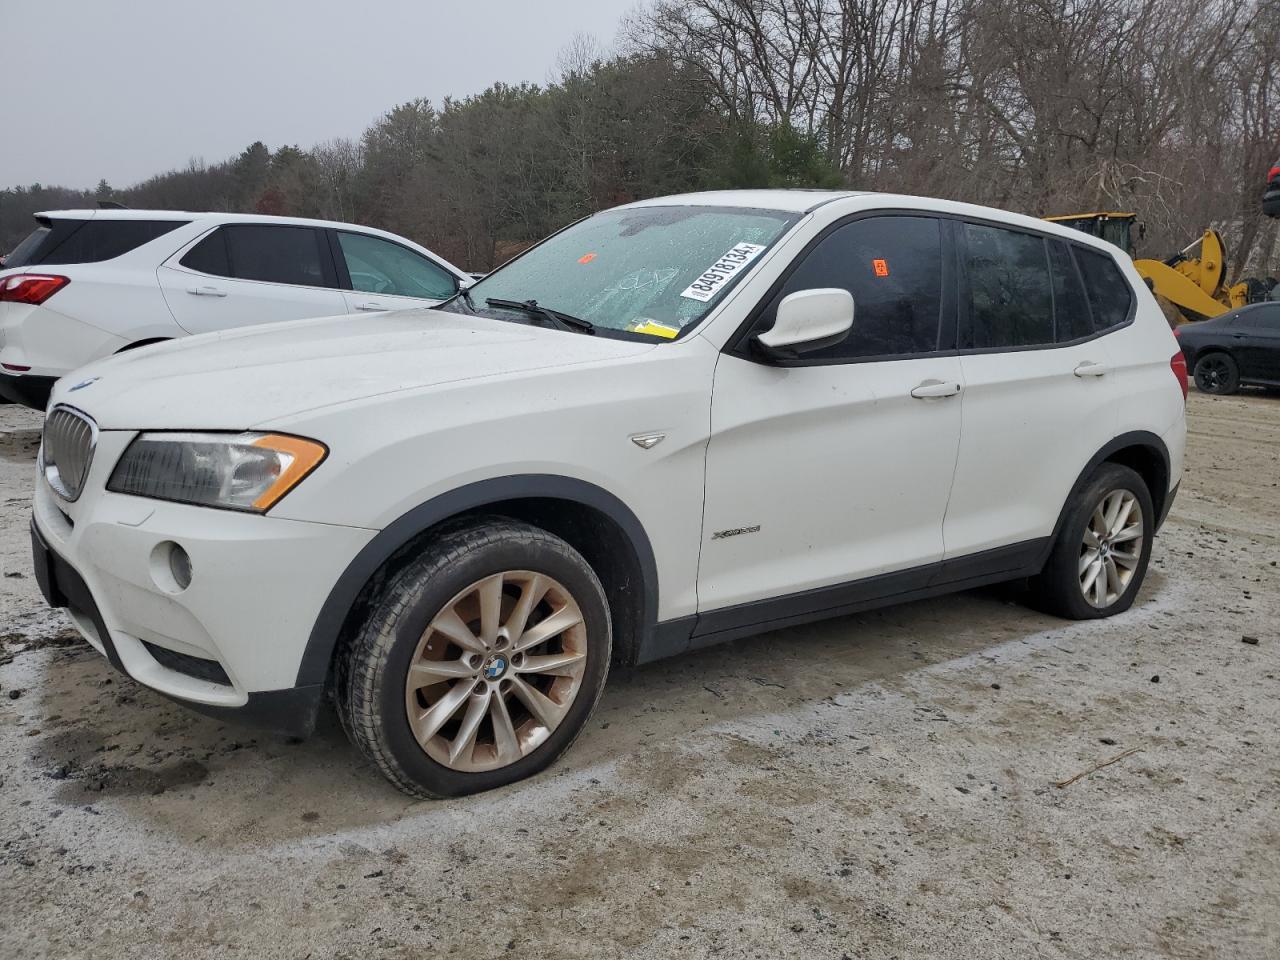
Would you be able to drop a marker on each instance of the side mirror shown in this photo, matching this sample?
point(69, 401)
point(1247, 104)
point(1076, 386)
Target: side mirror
point(805, 321)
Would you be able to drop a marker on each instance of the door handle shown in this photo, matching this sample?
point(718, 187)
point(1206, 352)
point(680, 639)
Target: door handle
point(371, 306)
point(1091, 369)
point(206, 291)
point(935, 389)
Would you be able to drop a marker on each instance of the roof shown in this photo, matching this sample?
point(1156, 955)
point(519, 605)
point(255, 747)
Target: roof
point(112, 214)
point(791, 201)
point(853, 201)
point(187, 216)
point(210, 220)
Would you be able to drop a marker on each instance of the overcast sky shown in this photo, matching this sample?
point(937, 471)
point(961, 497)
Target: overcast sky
point(123, 89)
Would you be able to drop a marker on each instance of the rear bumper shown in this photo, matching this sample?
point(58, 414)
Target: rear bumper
point(27, 390)
point(1167, 505)
point(292, 711)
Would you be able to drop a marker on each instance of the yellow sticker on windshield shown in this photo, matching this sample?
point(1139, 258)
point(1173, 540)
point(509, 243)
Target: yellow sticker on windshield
point(655, 328)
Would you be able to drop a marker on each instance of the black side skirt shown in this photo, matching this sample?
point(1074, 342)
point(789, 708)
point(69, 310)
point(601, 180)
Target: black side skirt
point(672, 637)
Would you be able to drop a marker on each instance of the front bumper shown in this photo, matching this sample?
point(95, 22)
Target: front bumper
point(292, 711)
point(232, 642)
point(27, 390)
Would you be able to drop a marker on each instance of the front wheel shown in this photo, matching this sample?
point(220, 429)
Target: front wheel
point(480, 662)
point(1100, 557)
point(1217, 373)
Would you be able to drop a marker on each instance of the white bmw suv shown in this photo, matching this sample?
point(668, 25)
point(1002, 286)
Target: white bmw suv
point(89, 283)
point(674, 423)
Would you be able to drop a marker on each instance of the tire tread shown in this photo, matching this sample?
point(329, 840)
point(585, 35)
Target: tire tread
point(1056, 589)
point(358, 678)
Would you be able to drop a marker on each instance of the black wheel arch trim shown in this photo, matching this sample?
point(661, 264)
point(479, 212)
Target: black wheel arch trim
point(1134, 438)
point(325, 632)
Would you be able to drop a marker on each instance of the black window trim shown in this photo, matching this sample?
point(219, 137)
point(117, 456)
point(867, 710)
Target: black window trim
point(344, 274)
point(738, 344)
point(328, 266)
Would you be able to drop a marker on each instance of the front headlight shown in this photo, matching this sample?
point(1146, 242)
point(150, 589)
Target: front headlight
point(242, 471)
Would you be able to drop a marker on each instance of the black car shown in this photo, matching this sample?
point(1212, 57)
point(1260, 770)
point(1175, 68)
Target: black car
point(1236, 349)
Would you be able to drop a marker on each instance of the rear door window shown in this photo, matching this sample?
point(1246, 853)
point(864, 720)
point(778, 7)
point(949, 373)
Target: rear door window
point(63, 242)
point(278, 254)
point(1110, 295)
point(1072, 315)
point(209, 255)
point(1262, 318)
point(380, 266)
point(1010, 293)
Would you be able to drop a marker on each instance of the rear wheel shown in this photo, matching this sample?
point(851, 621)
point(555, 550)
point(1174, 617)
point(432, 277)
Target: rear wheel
point(1217, 373)
point(481, 662)
point(1100, 558)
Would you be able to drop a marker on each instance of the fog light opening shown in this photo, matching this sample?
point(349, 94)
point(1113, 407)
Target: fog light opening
point(170, 567)
point(180, 566)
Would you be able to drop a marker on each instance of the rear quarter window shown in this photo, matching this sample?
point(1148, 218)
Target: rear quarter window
point(1110, 295)
point(93, 241)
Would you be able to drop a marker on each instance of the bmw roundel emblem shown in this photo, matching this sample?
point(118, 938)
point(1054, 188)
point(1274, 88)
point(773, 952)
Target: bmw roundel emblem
point(84, 383)
point(495, 668)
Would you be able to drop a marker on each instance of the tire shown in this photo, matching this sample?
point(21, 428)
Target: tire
point(1060, 588)
point(440, 599)
point(1217, 373)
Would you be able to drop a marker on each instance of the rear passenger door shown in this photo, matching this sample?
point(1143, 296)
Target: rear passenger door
point(1039, 396)
point(242, 274)
point(383, 275)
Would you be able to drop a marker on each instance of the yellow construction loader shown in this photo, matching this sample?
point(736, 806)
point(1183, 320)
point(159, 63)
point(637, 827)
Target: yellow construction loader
point(1192, 285)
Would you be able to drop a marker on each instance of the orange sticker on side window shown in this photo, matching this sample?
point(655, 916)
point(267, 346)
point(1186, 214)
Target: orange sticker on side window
point(586, 258)
point(881, 267)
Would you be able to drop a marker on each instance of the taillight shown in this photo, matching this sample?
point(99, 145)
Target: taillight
point(1178, 364)
point(30, 288)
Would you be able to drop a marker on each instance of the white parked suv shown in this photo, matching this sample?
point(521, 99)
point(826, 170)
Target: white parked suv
point(671, 424)
point(89, 283)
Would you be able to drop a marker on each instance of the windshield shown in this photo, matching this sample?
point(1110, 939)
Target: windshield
point(651, 271)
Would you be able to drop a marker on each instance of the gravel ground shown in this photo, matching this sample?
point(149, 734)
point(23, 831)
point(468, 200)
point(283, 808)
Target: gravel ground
point(873, 787)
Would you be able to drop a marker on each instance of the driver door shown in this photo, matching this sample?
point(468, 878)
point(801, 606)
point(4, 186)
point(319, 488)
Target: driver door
point(836, 467)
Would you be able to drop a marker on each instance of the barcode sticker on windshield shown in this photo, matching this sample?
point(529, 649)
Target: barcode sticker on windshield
point(722, 271)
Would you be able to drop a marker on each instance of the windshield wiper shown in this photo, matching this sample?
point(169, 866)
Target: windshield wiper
point(561, 321)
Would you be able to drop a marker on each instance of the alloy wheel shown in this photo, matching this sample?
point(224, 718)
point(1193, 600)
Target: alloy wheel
point(1111, 548)
point(496, 671)
point(1212, 374)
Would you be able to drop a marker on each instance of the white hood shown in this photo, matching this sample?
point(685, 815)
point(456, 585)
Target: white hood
point(237, 380)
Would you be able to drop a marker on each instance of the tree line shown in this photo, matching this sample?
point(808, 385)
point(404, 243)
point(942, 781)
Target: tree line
point(1169, 108)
